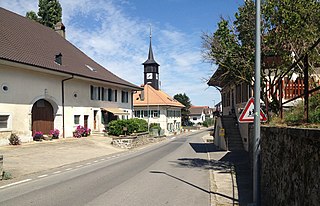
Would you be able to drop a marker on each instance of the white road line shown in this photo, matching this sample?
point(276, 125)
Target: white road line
point(113, 156)
point(102, 159)
point(57, 172)
point(96, 161)
point(43, 176)
point(79, 166)
point(173, 137)
point(89, 163)
point(68, 169)
point(15, 183)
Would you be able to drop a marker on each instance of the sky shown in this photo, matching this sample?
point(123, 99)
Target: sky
point(115, 33)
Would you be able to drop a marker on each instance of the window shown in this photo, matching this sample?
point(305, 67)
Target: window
point(238, 93)
point(95, 92)
point(115, 95)
point(76, 119)
point(156, 113)
point(194, 118)
point(124, 97)
point(245, 89)
point(4, 121)
point(110, 94)
point(104, 94)
point(228, 99)
point(145, 113)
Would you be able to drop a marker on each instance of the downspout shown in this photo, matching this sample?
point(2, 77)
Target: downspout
point(132, 106)
point(62, 94)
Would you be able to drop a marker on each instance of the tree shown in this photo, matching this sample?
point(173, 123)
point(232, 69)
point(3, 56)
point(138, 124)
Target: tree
point(289, 28)
point(50, 13)
point(185, 100)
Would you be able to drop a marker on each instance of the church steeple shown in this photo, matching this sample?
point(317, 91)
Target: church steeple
point(151, 68)
point(150, 59)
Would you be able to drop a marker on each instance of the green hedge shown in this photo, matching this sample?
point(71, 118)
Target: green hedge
point(116, 127)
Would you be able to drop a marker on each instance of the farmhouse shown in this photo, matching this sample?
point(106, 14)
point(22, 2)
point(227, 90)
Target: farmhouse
point(47, 83)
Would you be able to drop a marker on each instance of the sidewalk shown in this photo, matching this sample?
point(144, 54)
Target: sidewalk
point(230, 177)
point(33, 157)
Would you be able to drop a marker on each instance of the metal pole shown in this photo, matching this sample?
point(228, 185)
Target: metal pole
point(306, 88)
point(256, 151)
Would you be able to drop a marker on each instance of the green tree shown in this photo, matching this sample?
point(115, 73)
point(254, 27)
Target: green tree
point(185, 100)
point(50, 13)
point(289, 28)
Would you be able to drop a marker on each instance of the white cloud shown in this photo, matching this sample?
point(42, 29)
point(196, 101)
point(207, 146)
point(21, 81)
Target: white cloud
point(119, 42)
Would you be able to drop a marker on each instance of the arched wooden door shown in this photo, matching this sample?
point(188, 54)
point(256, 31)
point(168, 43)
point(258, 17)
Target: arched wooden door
point(42, 117)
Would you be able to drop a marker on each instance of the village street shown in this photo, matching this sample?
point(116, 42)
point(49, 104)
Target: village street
point(172, 172)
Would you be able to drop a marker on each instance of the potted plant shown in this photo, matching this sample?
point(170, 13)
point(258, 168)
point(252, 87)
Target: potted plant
point(37, 136)
point(55, 133)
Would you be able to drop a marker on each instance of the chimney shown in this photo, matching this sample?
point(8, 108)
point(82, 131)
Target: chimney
point(58, 59)
point(60, 29)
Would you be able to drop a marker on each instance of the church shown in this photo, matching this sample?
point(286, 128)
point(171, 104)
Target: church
point(154, 105)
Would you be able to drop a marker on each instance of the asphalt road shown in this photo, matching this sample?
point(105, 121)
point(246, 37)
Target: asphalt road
point(168, 173)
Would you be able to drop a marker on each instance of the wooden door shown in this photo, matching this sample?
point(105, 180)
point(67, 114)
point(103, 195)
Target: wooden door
point(85, 121)
point(42, 117)
point(95, 119)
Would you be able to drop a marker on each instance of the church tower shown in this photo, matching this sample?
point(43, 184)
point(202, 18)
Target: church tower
point(151, 69)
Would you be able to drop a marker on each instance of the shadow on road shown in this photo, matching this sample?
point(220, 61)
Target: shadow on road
point(237, 161)
point(193, 185)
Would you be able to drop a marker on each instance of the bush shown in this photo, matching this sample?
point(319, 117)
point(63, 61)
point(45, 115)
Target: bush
point(296, 114)
point(14, 139)
point(116, 127)
point(208, 122)
point(155, 126)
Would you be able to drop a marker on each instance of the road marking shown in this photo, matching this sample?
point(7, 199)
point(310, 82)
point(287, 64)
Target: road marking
point(113, 156)
point(173, 137)
point(96, 161)
point(89, 163)
point(43, 176)
point(102, 159)
point(15, 183)
point(68, 169)
point(57, 172)
point(79, 166)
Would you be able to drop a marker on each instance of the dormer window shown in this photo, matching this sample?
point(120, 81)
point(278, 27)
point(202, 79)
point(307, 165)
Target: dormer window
point(91, 68)
point(58, 59)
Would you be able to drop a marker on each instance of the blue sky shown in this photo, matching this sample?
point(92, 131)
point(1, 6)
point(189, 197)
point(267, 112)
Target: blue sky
point(115, 33)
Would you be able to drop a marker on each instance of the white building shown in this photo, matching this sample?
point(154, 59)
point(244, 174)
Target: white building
point(162, 109)
point(47, 83)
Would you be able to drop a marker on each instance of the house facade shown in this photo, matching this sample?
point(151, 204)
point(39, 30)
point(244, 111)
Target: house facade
point(197, 114)
point(162, 109)
point(47, 83)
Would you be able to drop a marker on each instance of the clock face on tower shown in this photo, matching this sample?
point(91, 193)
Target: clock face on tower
point(149, 75)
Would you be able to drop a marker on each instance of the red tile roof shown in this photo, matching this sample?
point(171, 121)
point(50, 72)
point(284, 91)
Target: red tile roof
point(27, 42)
point(153, 97)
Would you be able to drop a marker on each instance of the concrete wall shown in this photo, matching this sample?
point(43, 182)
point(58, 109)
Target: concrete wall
point(219, 139)
point(290, 166)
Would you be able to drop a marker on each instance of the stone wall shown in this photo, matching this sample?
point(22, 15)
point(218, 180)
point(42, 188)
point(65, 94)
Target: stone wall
point(290, 166)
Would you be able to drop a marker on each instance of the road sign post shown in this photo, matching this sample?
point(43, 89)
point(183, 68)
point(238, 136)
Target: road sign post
point(248, 113)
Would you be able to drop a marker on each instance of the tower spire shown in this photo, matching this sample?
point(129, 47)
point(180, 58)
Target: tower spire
point(150, 59)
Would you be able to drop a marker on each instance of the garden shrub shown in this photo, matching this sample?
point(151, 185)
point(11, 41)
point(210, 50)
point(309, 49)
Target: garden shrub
point(116, 127)
point(208, 122)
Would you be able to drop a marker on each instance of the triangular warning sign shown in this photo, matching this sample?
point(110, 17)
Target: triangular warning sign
point(247, 115)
